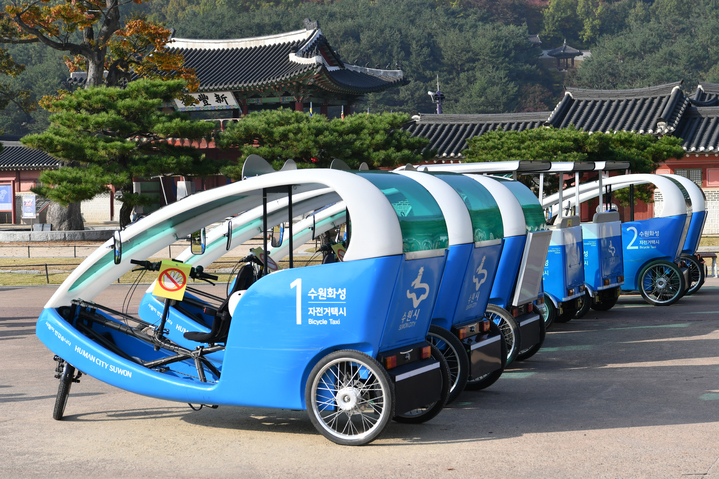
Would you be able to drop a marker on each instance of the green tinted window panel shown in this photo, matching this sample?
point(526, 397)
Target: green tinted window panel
point(420, 218)
point(483, 209)
point(149, 235)
point(533, 211)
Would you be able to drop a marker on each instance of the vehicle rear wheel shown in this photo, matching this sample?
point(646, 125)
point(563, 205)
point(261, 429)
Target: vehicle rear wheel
point(456, 355)
point(509, 328)
point(63, 391)
point(697, 274)
point(586, 306)
point(488, 379)
point(531, 351)
point(423, 414)
point(349, 397)
point(606, 299)
point(661, 283)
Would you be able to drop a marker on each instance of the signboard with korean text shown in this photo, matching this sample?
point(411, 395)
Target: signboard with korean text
point(221, 100)
point(28, 207)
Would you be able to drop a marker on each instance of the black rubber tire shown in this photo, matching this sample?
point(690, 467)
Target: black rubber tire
point(606, 299)
point(457, 359)
point(424, 414)
point(531, 351)
point(586, 306)
point(369, 404)
point(697, 273)
point(509, 328)
point(487, 380)
point(567, 315)
point(551, 311)
point(661, 283)
point(63, 391)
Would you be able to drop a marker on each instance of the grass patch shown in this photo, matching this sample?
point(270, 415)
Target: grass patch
point(33, 272)
point(709, 241)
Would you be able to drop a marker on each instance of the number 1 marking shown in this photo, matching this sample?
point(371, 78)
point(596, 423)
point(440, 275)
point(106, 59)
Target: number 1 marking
point(298, 304)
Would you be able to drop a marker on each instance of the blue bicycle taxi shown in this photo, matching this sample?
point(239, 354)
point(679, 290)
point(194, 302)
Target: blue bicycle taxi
point(346, 341)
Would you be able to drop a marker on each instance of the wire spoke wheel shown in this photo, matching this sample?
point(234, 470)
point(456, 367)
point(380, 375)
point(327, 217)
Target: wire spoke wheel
point(508, 327)
point(349, 397)
point(661, 283)
point(697, 273)
point(457, 359)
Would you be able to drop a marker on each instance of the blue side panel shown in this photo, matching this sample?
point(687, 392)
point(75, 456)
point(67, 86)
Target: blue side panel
point(288, 320)
point(564, 268)
point(507, 270)
point(410, 312)
point(603, 255)
point(90, 358)
point(478, 283)
point(648, 240)
point(458, 258)
point(695, 232)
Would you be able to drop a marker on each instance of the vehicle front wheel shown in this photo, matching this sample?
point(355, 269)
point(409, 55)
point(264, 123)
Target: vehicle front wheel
point(423, 414)
point(661, 283)
point(63, 391)
point(456, 355)
point(349, 397)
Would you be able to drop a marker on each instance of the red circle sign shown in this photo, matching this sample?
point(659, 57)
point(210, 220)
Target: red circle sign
point(172, 280)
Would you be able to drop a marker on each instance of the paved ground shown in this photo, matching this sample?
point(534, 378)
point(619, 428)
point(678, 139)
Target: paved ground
point(630, 393)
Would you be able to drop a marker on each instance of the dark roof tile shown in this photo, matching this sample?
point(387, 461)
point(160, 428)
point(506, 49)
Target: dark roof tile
point(448, 134)
point(254, 63)
point(15, 156)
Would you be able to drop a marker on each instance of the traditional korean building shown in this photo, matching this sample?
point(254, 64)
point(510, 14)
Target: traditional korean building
point(294, 69)
point(20, 168)
point(657, 110)
point(448, 134)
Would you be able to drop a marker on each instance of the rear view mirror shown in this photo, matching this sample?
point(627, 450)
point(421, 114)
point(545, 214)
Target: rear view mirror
point(228, 246)
point(117, 248)
point(278, 233)
point(198, 242)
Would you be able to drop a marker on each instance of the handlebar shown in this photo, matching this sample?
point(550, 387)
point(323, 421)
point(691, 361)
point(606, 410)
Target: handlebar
point(195, 273)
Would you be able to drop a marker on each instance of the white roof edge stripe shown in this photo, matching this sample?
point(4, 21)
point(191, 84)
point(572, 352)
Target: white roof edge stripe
point(288, 37)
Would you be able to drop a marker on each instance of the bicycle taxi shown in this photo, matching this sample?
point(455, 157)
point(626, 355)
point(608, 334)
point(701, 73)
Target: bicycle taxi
point(353, 364)
point(519, 270)
point(652, 247)
point(472, 346)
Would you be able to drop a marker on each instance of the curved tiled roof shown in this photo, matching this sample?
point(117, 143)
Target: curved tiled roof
point(565, 51)
point(15, 156)
point(448, 134)
point(706, 94)
point(700, 130)
point(259, 62)
point(652, 110)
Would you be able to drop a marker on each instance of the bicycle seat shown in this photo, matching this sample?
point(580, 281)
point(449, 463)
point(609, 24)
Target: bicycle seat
point(221, 323)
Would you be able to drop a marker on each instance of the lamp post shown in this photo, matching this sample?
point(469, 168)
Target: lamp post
point(437, 97)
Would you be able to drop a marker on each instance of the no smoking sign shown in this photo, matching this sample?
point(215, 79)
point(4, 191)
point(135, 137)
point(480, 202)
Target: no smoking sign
point(172, 280)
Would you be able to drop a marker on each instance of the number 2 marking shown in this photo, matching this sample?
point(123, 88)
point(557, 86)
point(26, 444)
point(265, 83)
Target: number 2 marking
point(298, 304)
point(629, 246)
